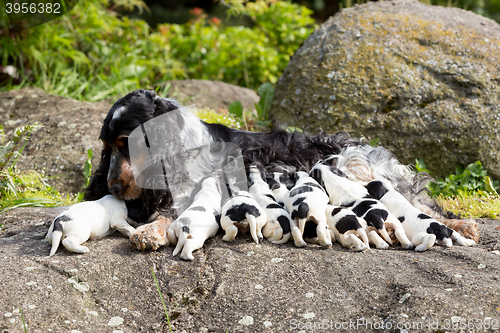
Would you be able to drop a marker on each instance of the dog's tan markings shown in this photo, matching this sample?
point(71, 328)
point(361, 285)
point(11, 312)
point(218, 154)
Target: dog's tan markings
point(466, 228)
point(130, 189)
point(153, 235)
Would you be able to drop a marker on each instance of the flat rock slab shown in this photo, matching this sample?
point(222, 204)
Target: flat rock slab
point(242, 286)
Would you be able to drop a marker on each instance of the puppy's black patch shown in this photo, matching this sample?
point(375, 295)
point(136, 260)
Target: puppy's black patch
point(310, 230)
point(300, 190)
point(239, 212)
point(284, 223)
point(270, 196)
point(363, 206)
point(198, 208)
point(401, 219)
point(185, 229)
point(336, 210)
point(289, 183)
point(347, 223)
point(440, 230)
point(301, 211)
point(217, 219)
point(282, 204)
point(376, 218)
point(272, 183)
point(298, 201)
point(58, 222)
point(273, 206)
point(314, 185)
point(376, 189)
point(337, 172)
point(424, 216)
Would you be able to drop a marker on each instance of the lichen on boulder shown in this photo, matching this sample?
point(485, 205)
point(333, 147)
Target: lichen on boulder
point(424, 79)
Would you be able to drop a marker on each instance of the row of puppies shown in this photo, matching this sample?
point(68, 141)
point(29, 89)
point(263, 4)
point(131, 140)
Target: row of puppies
point(342, 210)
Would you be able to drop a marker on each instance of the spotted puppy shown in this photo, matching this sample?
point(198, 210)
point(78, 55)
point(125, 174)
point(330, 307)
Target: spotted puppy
point(241, 213)
point(199, 221)
point(307, 203)
point(88, 220)
point(378, 219)
point(420, 228)
point(277, 227)
point(280, 185)
point(348, 228)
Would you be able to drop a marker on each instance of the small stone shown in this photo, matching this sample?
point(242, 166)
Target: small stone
point(276, 260)
point(73, 279)
point(250, 253)
point(94, 313)
point(124, 309)
point(29, 268)
point(455, 319)
point(458, 276)
point(309, 295)
point(308, 315)
point(12, 321)
point(404, 297)
point(115, 321)
point(496, 252)
point(267, 324)
point(8, 314)
point(81, 286)
point(481, 266)
point(31, 283)
point(75, 331)
point(74, 270)
point(67, 322)
point(31, 307)
point(258, 286)
point(449, 289)
point(117, 331)
point(247, 320)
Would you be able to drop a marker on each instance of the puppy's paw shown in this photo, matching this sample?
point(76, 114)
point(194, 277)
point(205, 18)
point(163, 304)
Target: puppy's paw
point(383, 246)
point(152, 235)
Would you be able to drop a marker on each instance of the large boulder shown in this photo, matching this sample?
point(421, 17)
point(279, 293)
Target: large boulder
point(424, 79)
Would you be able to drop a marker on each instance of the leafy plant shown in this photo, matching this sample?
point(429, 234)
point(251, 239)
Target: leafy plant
point(266, 93)
point(236, 108)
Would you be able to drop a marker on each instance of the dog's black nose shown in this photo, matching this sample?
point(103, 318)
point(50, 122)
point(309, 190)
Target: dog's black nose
point(115, 188)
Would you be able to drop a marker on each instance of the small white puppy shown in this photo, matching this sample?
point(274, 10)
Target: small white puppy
point(88, 220)
point(277, 227)
point(421, 229)
point(241, 213)
point(199, 221)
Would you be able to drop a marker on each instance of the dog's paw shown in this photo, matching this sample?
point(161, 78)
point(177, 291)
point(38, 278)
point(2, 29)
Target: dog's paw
point(151, 236)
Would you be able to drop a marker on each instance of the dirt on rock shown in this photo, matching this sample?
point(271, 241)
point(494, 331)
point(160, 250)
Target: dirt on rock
point(244, 287)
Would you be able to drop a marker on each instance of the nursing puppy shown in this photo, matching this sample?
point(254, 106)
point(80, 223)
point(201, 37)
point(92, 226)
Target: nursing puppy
point(420, 228)
point(347, 227)
point(199, 221)
point(88, 220)
point(280, 185)
point(347, 193)
point(378, 219)
point(241, 213)
point(307, 203)
point(277, 227)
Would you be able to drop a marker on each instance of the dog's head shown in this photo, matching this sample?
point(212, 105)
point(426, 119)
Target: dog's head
point(115, 169)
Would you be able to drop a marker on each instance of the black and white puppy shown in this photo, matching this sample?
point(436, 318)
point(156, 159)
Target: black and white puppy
point(277, 227)
point(378, 218)
point(347, 227)
point(199, 221)
point(347, 193)
point(88, 220)
point(280, 185)
point(420, 228)
point(241, 213)
point(307, 203)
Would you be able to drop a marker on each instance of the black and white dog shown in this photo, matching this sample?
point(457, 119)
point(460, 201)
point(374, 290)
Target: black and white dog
point(307, 203)
point(199, 222)
point(277, 227)
point(241, 213)
point(348, 229)
point(420, 228)
point(115, 174)
point(88, 220)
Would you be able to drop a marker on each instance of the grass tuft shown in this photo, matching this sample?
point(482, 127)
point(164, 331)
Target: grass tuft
point(161, 298)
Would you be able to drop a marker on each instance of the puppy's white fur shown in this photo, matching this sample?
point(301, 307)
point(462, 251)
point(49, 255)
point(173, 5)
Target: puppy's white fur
point(421, 229)
point(307, 202)
point(242, 213)
point(348, 228)
point(197, 223)
point(277, 227)
point(88, 220)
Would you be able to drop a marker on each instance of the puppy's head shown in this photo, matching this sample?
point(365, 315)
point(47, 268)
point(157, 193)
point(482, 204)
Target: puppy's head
point(127, 114)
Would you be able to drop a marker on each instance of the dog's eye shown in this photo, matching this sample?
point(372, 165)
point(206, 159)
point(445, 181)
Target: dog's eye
point(106, 145)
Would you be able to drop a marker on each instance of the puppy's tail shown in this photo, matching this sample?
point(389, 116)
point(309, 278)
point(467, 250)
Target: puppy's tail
point(56, 239)
point(252, 221)
point(55, 236)
point(183, 235)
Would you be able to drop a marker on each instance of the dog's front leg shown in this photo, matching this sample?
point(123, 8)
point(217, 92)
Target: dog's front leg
point(152, 235)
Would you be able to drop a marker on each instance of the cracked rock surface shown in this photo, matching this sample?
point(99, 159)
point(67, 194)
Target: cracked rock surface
point(240, 286)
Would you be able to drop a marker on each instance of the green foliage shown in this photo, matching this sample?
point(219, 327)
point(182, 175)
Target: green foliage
point(471, 180)
point(266, 93)
point(374, 142)
point(236, 108)
point(472, 206)
point(92, 54)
